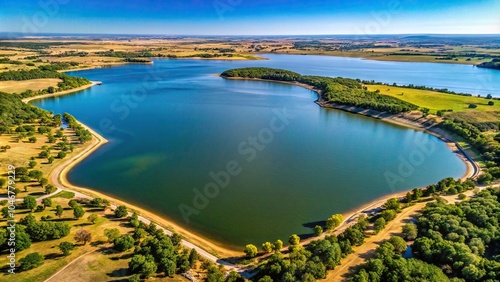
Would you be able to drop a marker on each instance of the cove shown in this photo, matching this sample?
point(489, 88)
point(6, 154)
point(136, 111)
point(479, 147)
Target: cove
point(174, 128)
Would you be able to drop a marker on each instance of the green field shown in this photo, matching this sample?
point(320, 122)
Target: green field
point(436, 101)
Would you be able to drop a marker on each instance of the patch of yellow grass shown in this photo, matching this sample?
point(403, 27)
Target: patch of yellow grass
point(12, 86)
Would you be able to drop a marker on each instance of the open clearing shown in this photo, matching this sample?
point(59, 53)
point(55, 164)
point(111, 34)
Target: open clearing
point(12, 86)
point(436, 100)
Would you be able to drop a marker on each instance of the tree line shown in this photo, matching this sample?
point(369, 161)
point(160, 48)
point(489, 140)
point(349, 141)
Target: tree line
point(341, 91)
point(458, 242)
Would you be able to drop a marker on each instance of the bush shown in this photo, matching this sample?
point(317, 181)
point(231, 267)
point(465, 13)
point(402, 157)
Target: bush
point(123, 243)
point(31, 261)
point(250, 251)
point(491, 103)
point(121, 211)
point(379, 224)
point(472, 106)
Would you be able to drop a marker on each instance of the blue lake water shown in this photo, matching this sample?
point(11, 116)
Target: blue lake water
point(247, 162)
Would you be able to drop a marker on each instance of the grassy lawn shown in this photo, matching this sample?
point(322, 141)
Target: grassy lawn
point(53, 257)
point(20, 153)
point(435, 100)
point(32, 84)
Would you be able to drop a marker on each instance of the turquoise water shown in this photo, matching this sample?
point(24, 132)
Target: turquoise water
point(173, 125)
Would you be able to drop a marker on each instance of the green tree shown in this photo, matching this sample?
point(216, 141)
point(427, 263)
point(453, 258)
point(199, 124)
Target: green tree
point(30, 261)
point(112, 234)
point(294, 240)
point(123, 243)
point(61, 155)
point(43, 182)
point(50, 159)
point(278, 245)
point(318, 230)
point(47, 202)
point(29, 202)
point(49, 189)
point(410, 231)
point(393, 204)
point(66, 247)
point(59, 211)
point(399, 244)
point(379, 224)
point(334, 221)
point(5, 212)
point(92, 218)
point(250, 250)
point(32, 164)
point(121, 211)
point(78, 211)
point(388, 215)
point(38, 175)
point(267, 247)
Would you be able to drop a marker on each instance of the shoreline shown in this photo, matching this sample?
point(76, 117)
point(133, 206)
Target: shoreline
point(59, 177)
point(396, 119)
point(61, 93)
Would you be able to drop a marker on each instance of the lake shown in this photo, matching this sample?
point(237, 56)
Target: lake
point(243, 161)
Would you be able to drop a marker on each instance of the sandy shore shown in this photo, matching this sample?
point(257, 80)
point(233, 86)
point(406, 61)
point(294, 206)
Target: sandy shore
point(61, 93)
point(59, 177)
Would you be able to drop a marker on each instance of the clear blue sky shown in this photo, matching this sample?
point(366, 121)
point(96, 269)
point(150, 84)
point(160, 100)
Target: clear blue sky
point(251, 17)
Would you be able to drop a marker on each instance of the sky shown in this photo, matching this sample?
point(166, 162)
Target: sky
point(251, 17)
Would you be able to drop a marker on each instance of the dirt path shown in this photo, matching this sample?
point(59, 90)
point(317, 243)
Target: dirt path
point(68, 265)
point(367, 250)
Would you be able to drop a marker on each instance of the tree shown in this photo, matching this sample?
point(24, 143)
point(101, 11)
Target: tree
point(32, 139)
point(388, 215)
point(278, 245)
point(47, 202)
point(399, 244)
point(23, 240)
point(43, 182)
point(267, 247)
point(61, 155)
point(318, 230)
point(485, 178)
point(410, 231)
point(144, 265)
point(250, 250)
point(379, 224)
point(92, 218)
point(29, 202)
point(294, 240)
point(36, 174)
point(59, 211)
point(5, 212)
point(112, 234)
point(123, 243)
point(50, 159)
point(393, 204)
point(78, 211)
point(83, 236)
point(73, 203)
point(49, 189)
point(32, 164)
point(121, 211)
point(30, 261)
point(334, 221)
point(66, 247)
